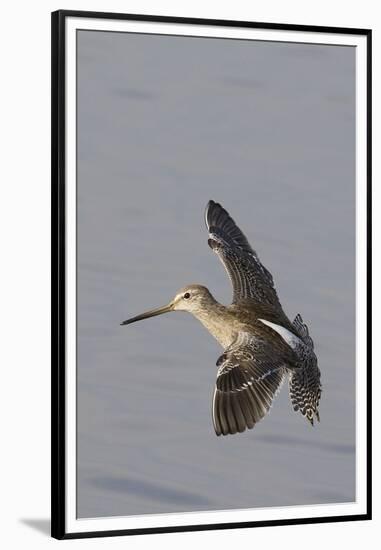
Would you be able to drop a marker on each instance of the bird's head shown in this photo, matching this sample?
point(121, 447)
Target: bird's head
point(190, 298)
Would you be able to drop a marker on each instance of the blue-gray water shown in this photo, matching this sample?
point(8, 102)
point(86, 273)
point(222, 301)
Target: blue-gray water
point(164, 125)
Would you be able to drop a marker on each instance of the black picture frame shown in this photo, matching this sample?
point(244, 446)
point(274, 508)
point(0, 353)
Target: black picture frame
point(58, 249)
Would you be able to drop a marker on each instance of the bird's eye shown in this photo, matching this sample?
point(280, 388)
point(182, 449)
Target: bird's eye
point(186, 295)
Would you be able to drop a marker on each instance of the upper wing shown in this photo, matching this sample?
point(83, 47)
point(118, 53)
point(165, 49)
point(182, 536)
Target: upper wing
point(249, 376)
point(250, 279)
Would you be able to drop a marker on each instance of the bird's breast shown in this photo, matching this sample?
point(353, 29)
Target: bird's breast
point(221, 325)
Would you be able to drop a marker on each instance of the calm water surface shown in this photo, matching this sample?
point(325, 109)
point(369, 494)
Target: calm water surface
point(268, 131)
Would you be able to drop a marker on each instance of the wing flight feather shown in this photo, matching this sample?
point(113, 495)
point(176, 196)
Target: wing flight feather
point(250, 279)
point(249, 376)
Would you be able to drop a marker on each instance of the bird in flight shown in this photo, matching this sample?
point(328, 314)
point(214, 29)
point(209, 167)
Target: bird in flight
point(261, 346)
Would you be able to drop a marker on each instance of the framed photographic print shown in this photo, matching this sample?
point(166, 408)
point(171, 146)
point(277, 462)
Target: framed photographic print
point(241, 396)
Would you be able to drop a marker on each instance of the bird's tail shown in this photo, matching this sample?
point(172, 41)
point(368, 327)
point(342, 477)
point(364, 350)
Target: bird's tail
point(304, 375)
point(305, 392)
point(302, 329)
point(304, 382)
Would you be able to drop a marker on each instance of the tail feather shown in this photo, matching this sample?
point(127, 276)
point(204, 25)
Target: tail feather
point(304, 381)
point(305, 390)
point(302, 330)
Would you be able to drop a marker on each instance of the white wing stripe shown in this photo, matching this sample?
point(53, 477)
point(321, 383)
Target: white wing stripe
point(290, 338)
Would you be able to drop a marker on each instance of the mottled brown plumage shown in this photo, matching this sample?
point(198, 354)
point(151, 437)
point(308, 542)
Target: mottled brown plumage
point(261, 346)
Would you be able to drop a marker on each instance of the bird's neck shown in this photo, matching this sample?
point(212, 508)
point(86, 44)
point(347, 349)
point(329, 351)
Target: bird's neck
point(215, 318)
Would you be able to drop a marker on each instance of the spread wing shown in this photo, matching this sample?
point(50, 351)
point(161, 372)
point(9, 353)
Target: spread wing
point(250, 279)
point(249, 376)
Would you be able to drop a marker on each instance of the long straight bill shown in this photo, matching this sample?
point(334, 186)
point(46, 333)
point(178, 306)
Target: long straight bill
point(148, 314)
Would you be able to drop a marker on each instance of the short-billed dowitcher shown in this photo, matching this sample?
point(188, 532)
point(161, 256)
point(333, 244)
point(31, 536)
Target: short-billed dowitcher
point(261, 346)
